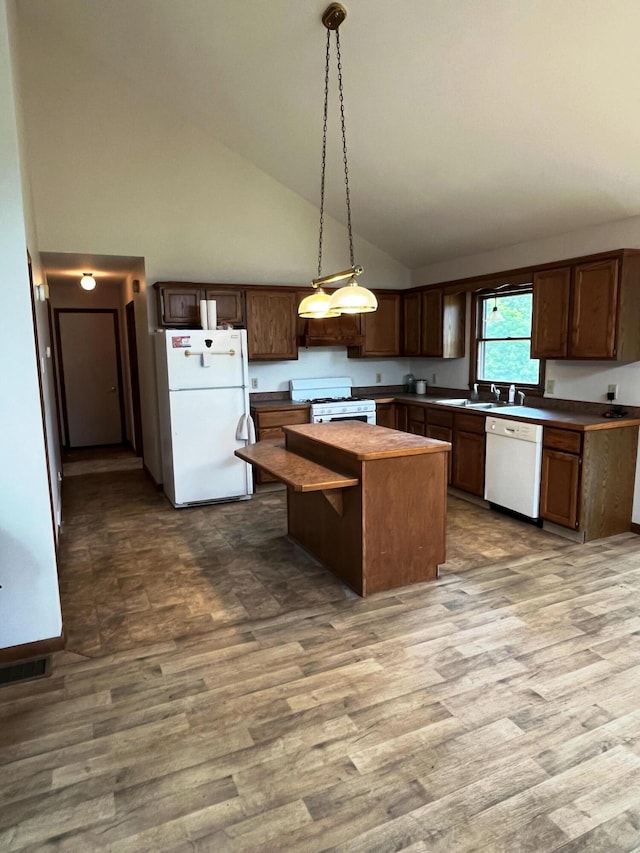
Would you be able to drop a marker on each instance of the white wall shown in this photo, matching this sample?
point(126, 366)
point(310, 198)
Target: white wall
point(573, 380)
point(115, 175)
point(29, 602)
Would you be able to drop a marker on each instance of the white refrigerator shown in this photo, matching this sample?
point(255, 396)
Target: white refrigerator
point(203, 400)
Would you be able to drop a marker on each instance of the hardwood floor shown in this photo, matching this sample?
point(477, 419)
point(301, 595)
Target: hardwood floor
point(496, 709)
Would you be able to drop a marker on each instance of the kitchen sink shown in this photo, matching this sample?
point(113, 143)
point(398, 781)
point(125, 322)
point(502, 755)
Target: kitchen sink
point(474, 404)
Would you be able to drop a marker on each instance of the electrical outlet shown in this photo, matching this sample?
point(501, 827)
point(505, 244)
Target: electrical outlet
point(434, 378)
point(254, 384)
point(550, 387)
point(612, 389)
point(378, 377)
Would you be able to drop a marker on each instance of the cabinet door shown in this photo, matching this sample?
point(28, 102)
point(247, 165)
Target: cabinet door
point(381, 328)
point(550, 322)
point(229, 305)
point(402, 417)
point(412, 324)
point(416, 420)
point(468, 462)
point(442, 434)
point(559, 487)
point(271, 324)
point(180, 306)
point(594, 310)
point(454, 307)
point(386, 415)
point(431, 344)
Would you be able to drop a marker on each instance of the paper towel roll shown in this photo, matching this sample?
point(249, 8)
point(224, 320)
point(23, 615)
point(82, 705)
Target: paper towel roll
point(212, 316)
point(203, 313)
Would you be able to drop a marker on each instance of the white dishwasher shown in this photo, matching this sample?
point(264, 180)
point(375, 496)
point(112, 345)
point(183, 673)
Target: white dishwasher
point(513, 460)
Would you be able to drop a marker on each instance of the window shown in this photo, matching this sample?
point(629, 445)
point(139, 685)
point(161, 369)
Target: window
point(503, 339)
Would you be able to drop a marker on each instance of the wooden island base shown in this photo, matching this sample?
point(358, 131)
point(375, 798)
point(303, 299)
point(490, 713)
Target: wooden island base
point(368, 502)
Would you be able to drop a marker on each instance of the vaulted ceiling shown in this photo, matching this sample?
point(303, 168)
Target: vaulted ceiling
point(472, 124)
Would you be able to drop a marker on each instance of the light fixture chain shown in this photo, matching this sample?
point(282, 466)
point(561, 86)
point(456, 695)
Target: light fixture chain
point(344, 147)
point(324, 149)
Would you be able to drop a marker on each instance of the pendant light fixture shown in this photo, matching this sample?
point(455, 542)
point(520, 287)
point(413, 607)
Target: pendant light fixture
point(352, 298)
point(87, 282)
point(494, 316)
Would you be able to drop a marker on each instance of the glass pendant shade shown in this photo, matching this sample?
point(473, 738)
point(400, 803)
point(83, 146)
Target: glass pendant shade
point(87, 282)
point(316, 306)
point(353, 299)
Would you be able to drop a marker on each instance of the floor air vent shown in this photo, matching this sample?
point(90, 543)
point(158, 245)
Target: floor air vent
point(26, 671)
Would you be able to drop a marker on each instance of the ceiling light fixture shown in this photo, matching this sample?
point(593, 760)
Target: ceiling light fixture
point(351, 298)
point(87, 282)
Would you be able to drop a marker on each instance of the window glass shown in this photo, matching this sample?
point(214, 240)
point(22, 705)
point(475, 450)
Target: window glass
point(504, 342)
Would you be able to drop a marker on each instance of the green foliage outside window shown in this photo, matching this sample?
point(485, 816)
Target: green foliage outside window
point(504, 344)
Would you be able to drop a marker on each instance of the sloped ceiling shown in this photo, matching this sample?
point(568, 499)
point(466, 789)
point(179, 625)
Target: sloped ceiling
point(472, 124)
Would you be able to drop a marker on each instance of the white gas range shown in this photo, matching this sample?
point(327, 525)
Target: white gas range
point(331, 400)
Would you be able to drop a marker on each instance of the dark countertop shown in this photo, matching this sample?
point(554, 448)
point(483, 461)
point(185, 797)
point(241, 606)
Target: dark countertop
point(559, 418)
point(547, 417)
point(277, 405)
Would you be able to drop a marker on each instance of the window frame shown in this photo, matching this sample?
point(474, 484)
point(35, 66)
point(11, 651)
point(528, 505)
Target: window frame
point(477, 301)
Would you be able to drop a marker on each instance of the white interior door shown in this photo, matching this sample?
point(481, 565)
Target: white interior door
point(90, 377)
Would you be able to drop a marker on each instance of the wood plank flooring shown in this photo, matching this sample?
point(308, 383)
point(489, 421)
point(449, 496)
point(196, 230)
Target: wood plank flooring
point(496, 709)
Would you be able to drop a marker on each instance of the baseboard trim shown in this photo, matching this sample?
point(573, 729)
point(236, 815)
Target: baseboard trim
point(26, 651)
point(635, 528)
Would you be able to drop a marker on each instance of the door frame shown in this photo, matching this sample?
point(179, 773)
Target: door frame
point(116, 333)
point(134, 376)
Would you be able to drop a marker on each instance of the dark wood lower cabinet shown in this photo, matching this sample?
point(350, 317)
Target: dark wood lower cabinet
point(402, 417)
point(268, 423)
point(441, 433)
point(559, 487)
point(386, 415)
point(468, 462)
point(416, 420)
point(588, 479)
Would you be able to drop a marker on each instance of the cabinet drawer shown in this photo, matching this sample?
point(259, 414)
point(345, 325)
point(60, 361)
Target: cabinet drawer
point(562, 439)
point(468, 423)
point(281, 417)
point(439, 418)
point(269, 434)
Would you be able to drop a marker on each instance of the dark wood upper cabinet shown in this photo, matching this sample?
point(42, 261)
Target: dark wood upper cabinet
point(550, 325)
point(432, 320)
point(271, 324)
point(589, 309)
point(594, 310)
point(412, 324)
point(381, 329)
point(434, 324)
point(179, 304)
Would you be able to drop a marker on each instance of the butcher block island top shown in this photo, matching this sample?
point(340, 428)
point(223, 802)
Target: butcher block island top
point(363, 442)
point(368, 502)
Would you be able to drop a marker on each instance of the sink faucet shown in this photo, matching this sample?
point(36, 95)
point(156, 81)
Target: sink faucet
point(495, 391)
point(521, 398)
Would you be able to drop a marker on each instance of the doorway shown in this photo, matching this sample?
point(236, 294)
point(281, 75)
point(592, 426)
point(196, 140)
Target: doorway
point(90, 377)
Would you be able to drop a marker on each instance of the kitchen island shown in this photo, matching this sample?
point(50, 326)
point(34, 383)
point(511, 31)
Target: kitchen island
point(366, 501)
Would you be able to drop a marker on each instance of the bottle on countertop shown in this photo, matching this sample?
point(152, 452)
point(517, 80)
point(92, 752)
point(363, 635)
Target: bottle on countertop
point(512, 393)
point(409, 382)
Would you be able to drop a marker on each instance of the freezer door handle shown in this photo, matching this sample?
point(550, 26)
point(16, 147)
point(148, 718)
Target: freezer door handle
point(189, 352)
